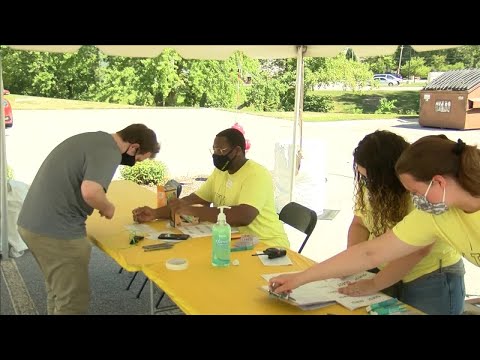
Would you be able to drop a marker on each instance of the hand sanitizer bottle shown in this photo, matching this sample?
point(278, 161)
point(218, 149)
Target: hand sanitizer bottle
point(221, 237)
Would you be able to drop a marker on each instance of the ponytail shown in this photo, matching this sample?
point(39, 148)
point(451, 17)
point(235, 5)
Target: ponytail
point(437, 155)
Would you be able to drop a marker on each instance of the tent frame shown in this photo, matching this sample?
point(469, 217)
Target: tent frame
point(217, 52)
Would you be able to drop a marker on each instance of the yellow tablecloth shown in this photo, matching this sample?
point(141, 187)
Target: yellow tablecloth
point(111, 235)
point(202, 288)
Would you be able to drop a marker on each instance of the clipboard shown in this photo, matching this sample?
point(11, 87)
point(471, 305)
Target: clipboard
point(304, 305)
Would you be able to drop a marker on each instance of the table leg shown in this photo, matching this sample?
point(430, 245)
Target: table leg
point(151, 297)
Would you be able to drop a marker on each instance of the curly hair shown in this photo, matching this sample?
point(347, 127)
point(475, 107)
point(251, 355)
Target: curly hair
point(389, 201)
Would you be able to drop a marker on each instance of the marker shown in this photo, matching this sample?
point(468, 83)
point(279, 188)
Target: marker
point(389, 310)
point(380, 304)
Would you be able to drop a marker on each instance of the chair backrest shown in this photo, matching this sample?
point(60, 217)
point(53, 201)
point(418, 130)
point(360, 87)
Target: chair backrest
point(299, 217)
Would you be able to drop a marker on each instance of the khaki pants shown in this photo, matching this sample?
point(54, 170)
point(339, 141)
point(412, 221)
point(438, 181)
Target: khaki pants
point(64, 264)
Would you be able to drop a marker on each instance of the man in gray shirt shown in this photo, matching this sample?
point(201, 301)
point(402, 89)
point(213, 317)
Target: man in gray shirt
point(70, 184)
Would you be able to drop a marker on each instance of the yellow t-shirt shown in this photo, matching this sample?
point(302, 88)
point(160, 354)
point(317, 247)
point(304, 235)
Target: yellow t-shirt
point(441, 251)
point(251, 185)
point(456, 227)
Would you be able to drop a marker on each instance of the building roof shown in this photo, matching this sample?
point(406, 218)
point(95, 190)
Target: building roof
point(456, 80)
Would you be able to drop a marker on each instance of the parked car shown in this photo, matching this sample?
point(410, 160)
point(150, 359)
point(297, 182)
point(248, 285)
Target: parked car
point(387, 79)
point(399, 76)
point(7, 110)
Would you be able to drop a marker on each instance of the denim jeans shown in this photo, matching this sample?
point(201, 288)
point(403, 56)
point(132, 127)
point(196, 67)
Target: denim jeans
point(442, 292)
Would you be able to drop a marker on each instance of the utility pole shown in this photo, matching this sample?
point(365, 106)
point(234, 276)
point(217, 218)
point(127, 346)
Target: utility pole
point(409, 60)
point(400, 60)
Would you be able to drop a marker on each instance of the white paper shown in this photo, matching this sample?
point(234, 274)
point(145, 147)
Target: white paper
point(284, 260)
point(300, 302)
point(319, 292)
point(141, 228)
point(200, 230)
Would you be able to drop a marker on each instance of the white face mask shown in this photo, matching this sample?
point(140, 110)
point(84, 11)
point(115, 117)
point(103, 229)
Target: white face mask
point(421, 203)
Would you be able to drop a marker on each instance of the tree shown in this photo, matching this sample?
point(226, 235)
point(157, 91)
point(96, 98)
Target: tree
point(438, 63)
point(266, 93)
point(353, 74)
point(418, 68)
point(381, 64)
point(468, 55)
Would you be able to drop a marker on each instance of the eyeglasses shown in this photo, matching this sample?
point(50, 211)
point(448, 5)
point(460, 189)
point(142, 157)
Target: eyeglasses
point(218, 151)
point(362, 177)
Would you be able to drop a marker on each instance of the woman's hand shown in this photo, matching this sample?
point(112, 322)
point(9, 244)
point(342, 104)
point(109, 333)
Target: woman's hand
point(359, 288)
point(285, 283)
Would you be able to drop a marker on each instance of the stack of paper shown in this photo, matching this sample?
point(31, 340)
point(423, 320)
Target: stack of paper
point(325, 292)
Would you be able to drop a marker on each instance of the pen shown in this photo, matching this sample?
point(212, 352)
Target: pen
point(381, 304)
point(389, 310)
point(157, 248)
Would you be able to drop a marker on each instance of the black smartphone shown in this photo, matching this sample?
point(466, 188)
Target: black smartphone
point(274, 253)
point(169, 236)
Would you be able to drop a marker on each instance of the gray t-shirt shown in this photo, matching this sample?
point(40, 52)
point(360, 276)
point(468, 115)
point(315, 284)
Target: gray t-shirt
point(54, 206)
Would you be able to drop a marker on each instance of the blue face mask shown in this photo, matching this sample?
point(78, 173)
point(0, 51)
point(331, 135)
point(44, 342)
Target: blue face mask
point(421, 203)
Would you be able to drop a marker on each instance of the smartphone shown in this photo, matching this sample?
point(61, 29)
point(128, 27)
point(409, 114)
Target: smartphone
point(169, 236)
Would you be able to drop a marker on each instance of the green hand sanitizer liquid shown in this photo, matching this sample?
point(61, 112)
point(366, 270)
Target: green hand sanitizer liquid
point(221, 237)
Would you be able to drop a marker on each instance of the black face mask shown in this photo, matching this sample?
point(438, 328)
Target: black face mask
point(222, 162)
point(128, 160)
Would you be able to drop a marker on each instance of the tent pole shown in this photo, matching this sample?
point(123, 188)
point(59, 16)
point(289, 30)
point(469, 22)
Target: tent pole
point(298, 100)
point(3, 176)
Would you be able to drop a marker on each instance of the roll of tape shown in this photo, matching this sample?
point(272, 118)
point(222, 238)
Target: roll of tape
point(176, 264)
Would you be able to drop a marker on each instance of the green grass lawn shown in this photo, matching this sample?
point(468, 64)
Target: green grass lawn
point(317, 117)
point(22, 102)
point(348, 105)
point(367, 102)
point(417, 83)
point(358, 106)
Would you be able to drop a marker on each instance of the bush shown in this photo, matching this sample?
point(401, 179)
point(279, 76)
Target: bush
point(147, 172)
point(9, 173)
point(318, 103)
point(357, 111)
point(385, 106)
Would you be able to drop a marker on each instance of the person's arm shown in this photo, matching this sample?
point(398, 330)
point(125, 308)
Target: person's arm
point(357, 232)
point(363, 256)
point(94, 195)
point(388, 276)
point(146, 213)
point(192, 199)
point(239, 215)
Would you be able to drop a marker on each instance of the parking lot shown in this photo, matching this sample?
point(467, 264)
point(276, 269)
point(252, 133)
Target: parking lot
point(186, 136)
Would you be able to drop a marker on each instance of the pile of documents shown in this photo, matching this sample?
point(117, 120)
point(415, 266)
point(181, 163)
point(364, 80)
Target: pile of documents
point(318, 294)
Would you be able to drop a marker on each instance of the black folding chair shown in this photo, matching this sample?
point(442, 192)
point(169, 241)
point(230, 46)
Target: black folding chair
point(301, 218)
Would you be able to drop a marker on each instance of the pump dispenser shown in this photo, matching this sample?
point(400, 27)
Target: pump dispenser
point(221, 237)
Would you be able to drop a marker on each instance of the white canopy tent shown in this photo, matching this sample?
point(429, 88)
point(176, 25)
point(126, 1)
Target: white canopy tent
point(201, 52)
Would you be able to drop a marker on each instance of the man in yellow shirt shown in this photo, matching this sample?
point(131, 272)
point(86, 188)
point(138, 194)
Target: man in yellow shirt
point(236, 181)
